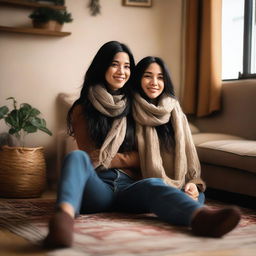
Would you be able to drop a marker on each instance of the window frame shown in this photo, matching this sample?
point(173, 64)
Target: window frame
point(247, 41)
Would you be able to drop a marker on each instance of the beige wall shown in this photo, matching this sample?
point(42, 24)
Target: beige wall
point(34, 69)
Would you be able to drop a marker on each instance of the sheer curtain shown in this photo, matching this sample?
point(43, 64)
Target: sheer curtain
point(202, 76)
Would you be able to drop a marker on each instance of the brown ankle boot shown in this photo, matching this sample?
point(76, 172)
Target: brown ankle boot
point(215, 223)
point(60, 231)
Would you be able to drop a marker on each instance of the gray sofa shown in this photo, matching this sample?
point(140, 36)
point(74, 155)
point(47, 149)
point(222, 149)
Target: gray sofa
point(226, 140)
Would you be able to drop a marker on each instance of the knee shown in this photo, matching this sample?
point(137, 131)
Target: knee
point(78, 160)
point(78, 155)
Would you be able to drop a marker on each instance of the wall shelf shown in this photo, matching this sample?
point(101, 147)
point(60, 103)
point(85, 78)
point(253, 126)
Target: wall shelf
point(33, 31)
point(27, 30)
point(30, 4)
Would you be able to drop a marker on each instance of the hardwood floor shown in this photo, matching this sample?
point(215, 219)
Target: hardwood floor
point(13, 245)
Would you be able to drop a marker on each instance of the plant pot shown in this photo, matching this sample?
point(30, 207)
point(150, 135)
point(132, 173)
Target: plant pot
point(49, 25)
point(22, 172)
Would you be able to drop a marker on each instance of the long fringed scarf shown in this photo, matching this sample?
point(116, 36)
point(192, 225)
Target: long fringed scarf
point(109, 105)
point(147, 117)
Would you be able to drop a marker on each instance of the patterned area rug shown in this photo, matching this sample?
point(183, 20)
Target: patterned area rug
point(119, 234)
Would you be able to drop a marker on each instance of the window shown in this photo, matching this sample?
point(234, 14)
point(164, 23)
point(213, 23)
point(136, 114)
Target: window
point(238, 39)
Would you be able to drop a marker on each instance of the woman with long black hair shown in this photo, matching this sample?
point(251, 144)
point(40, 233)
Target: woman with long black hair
point(100, 122)
point(168, 159)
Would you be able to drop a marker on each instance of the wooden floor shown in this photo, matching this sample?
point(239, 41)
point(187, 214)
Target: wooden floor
point(13, 245)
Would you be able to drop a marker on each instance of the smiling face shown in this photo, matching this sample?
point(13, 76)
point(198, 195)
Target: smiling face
point(152, 81)
point(118, 72)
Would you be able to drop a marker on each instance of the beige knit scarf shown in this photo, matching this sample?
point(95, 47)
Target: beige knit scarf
point(112, 106)
point(147, 116)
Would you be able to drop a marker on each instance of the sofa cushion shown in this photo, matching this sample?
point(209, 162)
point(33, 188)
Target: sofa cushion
point(240, 154)
point(237, 114)
point(199, 138)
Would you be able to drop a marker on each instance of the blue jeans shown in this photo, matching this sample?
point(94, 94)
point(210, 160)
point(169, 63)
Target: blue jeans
point(112, 190)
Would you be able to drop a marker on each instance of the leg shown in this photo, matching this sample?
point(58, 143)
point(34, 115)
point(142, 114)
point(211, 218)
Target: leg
point(78, 179)
point(174, 206)
point(79, 183)
point(153, 195)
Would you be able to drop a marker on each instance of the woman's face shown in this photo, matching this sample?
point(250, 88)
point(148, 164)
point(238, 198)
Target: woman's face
point(152, 81)
point(119, 71)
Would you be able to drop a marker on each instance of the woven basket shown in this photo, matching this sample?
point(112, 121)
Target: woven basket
point(22, 172)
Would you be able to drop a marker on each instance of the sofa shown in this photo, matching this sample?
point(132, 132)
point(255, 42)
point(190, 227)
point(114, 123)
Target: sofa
point(226, 140)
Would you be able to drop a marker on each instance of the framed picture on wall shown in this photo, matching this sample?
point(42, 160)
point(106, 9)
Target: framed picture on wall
point(140, 3)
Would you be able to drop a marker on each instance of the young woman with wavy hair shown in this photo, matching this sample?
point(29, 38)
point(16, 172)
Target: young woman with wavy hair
point(103, 129)
point(168, 157)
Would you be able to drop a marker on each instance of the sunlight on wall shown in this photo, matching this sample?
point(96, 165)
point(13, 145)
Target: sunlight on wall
point(232, 38)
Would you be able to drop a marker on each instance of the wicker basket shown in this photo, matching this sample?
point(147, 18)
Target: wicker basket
point(22, 172)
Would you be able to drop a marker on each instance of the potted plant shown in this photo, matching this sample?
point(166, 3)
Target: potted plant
point(22, 169)
point(48, 18)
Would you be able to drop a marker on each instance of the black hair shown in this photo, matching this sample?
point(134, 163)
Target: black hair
point(165, 132)
point(99, 124)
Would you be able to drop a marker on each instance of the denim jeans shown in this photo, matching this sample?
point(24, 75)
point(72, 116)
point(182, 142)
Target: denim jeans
point(112, 190)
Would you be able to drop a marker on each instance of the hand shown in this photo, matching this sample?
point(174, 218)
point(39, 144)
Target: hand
point(192, 191)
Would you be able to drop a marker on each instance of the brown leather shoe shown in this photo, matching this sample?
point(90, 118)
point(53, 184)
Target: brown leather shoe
point(60, 234)
point(215, 222)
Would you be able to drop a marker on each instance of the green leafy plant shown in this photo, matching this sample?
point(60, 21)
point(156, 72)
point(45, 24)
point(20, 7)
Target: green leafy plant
point(22, 120)
point(44, 14)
